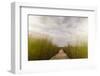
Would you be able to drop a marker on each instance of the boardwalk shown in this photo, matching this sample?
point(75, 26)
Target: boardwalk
point(60, 55)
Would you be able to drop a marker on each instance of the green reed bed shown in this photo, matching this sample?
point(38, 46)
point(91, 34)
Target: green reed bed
point(77, 51)
point(41, 49)
point(44, 49)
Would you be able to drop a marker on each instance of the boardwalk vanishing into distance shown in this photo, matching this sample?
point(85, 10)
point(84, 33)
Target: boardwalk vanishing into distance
point(60, 55)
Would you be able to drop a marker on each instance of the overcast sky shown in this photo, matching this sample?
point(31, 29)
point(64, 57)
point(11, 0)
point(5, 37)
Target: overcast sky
point(63, 30)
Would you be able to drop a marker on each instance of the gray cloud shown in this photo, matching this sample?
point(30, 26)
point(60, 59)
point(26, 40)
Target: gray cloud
point(63, 30)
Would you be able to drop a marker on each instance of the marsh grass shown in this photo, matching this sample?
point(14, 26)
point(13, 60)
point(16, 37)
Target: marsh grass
point(77, 51)
point(41, 49)
point(44, 49)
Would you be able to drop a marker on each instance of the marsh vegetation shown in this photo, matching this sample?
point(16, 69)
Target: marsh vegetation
point(57, 37)
point(44, 49)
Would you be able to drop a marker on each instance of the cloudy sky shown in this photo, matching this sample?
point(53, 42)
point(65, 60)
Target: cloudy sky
point(64, 30)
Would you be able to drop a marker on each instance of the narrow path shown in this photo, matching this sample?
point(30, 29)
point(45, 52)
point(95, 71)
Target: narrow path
point(60, 55)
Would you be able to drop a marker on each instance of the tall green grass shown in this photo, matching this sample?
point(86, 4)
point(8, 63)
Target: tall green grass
point(41, 49)
point(44, 49)
point(77, 51)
